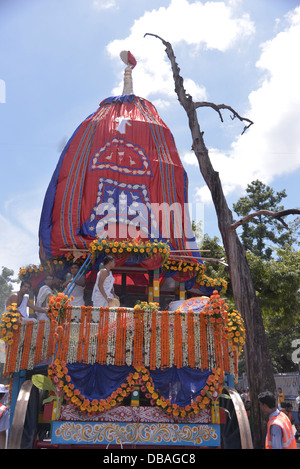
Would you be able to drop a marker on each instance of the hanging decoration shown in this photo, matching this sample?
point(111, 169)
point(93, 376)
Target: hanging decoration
point(10, 323)
point(208, 391)
point(200, 339)
point(130, 251)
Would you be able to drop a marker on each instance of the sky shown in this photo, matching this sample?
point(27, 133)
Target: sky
point(60, 58)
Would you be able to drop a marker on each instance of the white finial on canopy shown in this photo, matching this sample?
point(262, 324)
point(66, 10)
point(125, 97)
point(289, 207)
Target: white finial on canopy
point(130, 61)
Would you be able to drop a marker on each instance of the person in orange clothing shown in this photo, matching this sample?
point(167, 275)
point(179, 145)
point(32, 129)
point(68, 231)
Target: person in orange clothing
point(280, 433)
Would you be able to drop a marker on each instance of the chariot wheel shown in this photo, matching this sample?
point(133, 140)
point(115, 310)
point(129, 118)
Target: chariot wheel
point(236, 431)
point(25, 420)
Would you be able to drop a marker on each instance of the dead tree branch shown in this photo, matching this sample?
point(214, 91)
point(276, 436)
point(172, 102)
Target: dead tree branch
point(185, 99)
point(269, 213)
point(218, 107)
point(260, 372)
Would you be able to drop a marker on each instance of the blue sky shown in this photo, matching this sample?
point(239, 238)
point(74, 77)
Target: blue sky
point(60, 58)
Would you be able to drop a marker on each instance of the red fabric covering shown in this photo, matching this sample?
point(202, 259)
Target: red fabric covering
point(123, 150)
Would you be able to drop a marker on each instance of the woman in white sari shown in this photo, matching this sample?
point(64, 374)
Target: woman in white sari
point(103, 291)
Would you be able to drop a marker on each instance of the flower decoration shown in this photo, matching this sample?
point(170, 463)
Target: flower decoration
point(56, 264)
point(29, 270)
point(181, 266)
point(236, 330)
point(58, 373)
point(204, 280)
point(216, 310)
point(57, 307)
point(129, 246)
point(10, 323)
point(145, 306)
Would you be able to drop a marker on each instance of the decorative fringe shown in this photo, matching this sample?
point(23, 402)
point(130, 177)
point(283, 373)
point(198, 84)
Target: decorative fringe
point(165, 340)
point(153, 342)
point(120, 337)
point(157, 339)
point(177, 340)
point(191, 339)
point(137, 359)
point(39, 343)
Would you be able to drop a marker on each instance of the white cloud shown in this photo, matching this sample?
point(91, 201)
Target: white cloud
point(209, 25)
point(271, 147)
point(104, 4)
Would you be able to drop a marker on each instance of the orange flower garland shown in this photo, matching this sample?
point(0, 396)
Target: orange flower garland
point(120, 337)
point(164, 341)
point(191, 338)
point(58, 373)
point(177, 340)
point(153, 342)
point(137, 358)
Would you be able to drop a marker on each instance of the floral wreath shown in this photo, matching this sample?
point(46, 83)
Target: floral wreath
point(58, 373)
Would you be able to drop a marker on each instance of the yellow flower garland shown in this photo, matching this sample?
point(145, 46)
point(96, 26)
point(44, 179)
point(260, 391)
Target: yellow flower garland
point(10, 323)
point(146, 248)
point(236, 330)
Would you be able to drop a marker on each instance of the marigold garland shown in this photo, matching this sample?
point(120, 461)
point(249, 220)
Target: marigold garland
point(164, 341)
point(10, 323)
point(191, 338)
point(178, 266)
point(141, 337)
point(57, 306)
point(128, 246)
point(39, 343)
point(58, 373)
point(153, 341)
point(177, 339)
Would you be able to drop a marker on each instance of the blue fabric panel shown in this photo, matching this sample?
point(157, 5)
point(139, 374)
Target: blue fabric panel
point(124, 98)
point(181, 385)
point(99, 381)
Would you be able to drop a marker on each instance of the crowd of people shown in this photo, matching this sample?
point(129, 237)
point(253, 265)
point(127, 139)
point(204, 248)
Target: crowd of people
point(283, 429)
point(103, 292)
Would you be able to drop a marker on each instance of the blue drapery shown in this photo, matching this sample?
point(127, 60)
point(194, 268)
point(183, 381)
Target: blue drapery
point(99, 381)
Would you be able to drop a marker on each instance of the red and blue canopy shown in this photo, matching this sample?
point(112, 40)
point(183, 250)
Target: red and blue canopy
point(119, 171)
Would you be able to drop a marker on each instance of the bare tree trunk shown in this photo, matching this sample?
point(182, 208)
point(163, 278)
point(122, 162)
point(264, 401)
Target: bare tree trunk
point(258, 361)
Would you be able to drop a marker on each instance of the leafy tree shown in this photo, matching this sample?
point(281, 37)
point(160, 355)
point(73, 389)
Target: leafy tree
point(262, 233)
point(277, 284)
point(6, 286)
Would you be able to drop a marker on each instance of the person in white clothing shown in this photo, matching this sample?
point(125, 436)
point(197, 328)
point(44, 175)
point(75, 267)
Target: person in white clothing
point(103, 291)
point(21, 299)
point(78, 290)
point(43, 295)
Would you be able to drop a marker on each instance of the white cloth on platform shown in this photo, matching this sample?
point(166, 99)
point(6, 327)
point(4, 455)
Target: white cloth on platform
point(78, 294)
point(43, 293)
point(97, 297)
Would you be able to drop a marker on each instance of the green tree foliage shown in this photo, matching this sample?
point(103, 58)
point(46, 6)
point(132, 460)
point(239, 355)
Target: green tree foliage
point(262, 233)
point(6, 286)
point(274, 261)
